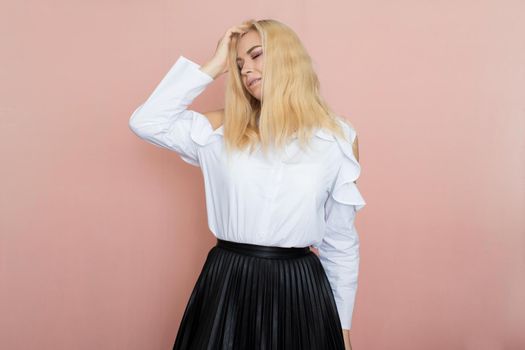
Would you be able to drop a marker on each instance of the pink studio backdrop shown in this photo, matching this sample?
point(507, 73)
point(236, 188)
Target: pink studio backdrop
point(103, 235)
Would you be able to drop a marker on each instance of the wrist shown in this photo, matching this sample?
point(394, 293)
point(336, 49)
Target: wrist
point(211, 69)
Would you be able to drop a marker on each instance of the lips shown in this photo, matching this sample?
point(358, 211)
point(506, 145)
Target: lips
point(251, 81)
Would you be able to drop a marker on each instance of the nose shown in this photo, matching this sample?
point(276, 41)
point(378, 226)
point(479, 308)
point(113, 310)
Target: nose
point(246, 68)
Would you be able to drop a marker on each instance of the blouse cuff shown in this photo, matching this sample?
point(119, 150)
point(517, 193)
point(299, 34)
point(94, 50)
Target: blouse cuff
point(181, 85)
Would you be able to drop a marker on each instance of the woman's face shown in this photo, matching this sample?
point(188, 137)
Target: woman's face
point(250, 62)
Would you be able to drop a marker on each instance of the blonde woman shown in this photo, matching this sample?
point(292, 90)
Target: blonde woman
point(280, 171)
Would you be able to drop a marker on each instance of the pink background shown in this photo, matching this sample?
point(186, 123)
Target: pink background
point(103, 235)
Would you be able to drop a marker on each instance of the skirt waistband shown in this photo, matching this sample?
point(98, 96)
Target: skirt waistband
point(263, 251)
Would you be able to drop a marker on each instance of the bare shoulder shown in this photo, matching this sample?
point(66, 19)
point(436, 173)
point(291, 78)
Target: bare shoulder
point(355, 145)
point(355, 148)
point(215, 117)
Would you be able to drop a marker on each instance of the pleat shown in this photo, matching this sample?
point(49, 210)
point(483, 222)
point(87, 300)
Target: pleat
point(246, 302)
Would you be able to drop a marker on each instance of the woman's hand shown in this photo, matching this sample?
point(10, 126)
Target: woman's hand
point(219, 63)
point(346, 336)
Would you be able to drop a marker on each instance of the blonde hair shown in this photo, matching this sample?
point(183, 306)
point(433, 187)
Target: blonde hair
point(290, 101)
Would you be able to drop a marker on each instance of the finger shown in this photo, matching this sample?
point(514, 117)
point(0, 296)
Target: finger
point(239, 28)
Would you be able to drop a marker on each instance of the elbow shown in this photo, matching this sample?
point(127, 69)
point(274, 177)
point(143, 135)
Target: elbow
point(135, 124)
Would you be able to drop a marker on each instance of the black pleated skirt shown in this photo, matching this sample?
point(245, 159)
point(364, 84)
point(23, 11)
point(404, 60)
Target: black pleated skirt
point(254, 297)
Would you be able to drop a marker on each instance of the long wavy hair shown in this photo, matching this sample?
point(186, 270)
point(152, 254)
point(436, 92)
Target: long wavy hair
point(290, 102)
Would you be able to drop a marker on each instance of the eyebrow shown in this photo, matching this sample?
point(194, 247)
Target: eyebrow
point(248, 52)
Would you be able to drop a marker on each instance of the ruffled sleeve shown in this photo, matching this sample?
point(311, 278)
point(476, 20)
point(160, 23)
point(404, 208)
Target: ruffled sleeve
point(164, 119)
point(345, 190)
point(339, 249)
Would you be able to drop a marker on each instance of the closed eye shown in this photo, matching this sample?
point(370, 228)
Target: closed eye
point(254, 57)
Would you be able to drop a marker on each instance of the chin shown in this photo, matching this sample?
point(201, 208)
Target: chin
point(255, 95)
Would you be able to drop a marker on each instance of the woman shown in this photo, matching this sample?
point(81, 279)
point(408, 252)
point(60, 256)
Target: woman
point(279, 173)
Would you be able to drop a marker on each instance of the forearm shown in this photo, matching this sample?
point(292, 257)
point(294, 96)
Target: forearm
point(212, 69)
point(346, 336)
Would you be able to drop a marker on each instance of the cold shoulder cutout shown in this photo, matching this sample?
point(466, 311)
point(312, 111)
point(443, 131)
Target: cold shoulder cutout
point(345, 190)
point(202, 131)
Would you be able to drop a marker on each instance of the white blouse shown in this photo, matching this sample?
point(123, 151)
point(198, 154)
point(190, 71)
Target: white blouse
point(291, 199)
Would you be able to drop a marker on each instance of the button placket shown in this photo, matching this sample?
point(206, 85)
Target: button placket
point(275, 183)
